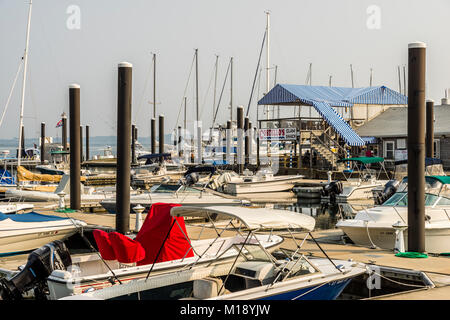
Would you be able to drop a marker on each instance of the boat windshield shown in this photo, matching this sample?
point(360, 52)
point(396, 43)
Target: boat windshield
point(400, 199)
point(253, 252)
point(432, 186)
point(172, 188)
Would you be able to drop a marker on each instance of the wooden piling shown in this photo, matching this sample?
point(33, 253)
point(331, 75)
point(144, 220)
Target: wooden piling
point(75, 163)
point(429, 138)
point(416, 146)
point(123, 147)
point(42, 142)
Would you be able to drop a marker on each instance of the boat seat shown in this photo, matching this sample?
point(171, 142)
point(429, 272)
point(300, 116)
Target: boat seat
point(104, 244)
point(126, 250)
point(206, 288)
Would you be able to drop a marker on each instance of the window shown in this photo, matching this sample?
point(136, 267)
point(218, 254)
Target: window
point(401, 143)
point(389, 149)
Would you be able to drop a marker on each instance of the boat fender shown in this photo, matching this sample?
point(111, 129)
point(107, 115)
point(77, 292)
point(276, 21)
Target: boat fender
point(40, 264)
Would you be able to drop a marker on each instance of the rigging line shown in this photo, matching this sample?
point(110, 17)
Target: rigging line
point(220, 97)
point(184, 93)
point(207, 91)
point(256, 73)
point(11, 91)
point(145, 87)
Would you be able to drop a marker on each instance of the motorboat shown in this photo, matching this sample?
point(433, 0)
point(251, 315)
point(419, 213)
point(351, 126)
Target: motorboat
point(18, 207)
point(27, 231)
point(433, 167)
point(263, 180)
point(157, 168)
point(174, 193)
point(253, 272)
point(62, 189)
point(360, 188)
point(374, 227)
point(162, 248)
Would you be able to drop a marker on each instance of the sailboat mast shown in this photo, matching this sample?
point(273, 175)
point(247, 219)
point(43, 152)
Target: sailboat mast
point(267, 58)
point(25, 63)
point(154, 85)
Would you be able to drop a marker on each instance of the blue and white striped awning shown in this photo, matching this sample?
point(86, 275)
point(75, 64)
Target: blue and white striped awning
point(368, 140)
point(323, 99)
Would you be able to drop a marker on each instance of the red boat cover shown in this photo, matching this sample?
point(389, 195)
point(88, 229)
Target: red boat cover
point(104, 244)
point(154, 230)
point(127, 250)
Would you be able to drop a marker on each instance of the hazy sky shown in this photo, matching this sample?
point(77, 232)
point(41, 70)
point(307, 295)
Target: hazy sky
point(82, 41)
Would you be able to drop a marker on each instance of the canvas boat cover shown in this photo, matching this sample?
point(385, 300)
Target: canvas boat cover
point(154, 230)
point(253, 218)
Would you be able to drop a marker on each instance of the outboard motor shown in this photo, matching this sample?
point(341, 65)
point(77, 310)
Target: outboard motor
point(332, 189)
point(192, 178)
point(41, 263)
point(389, 189)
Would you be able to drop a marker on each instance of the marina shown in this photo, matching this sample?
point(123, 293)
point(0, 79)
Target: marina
point(302, 192)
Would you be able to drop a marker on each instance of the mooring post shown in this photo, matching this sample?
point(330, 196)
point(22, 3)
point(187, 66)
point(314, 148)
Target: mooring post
point(429, 138)
point(416, 146)
point(161, 136)
point(240, 139)
point(42, 142)
point(228, 137)
point(64, 131)
point(246, 141)
point(133, 144)
point(123, 147)
point(75, 166)
point(87, 143)
point(81, 144)
point(153, 135)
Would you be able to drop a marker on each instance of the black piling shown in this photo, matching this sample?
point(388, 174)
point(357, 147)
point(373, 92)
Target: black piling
point(161, 134)
point(42, 142)
point(416, 146)
point(75, 163)
point(133, 144)
point(81, 144)
point(429, 138)
point(64, 131)
point(153, 135)
point(246, 140)
point(87, 143)
point(123, 147)
point(240, 137)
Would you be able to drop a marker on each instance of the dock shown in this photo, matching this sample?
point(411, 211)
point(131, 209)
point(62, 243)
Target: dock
point(436, 268)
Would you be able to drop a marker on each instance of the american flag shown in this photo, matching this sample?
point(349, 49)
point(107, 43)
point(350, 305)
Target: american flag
point(59, 124)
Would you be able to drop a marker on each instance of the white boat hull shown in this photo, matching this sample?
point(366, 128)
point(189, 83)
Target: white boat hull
point(276, 184)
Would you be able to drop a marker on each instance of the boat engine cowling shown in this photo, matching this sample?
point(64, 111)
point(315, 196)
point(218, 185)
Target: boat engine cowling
point(332, 189)
point(40, 264)
point(389, 189)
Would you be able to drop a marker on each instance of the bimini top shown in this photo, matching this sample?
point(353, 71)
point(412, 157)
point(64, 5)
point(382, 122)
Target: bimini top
point(364, 160)
point(443, 179)
point(252, 218)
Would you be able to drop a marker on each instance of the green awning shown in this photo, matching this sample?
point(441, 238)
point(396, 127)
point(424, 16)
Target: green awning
point(60, 152)
point(364, 160)
point(443, 179)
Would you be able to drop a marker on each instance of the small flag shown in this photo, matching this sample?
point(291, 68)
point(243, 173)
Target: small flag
point(59, 124)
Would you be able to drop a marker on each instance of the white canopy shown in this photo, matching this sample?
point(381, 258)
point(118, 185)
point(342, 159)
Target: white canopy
point(252, 218)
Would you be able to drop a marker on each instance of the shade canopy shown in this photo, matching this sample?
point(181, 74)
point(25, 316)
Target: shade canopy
point(252, 218)
point(324, 98)
point(365, 160)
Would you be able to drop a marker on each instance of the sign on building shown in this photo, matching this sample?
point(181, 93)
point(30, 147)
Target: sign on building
point(279, 134)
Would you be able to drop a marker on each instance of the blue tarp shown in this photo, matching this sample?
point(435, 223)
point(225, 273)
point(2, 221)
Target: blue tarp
point(6, 178)
point(30, 217)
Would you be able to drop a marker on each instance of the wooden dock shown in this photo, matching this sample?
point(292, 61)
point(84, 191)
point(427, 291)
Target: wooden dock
point(436, 268)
